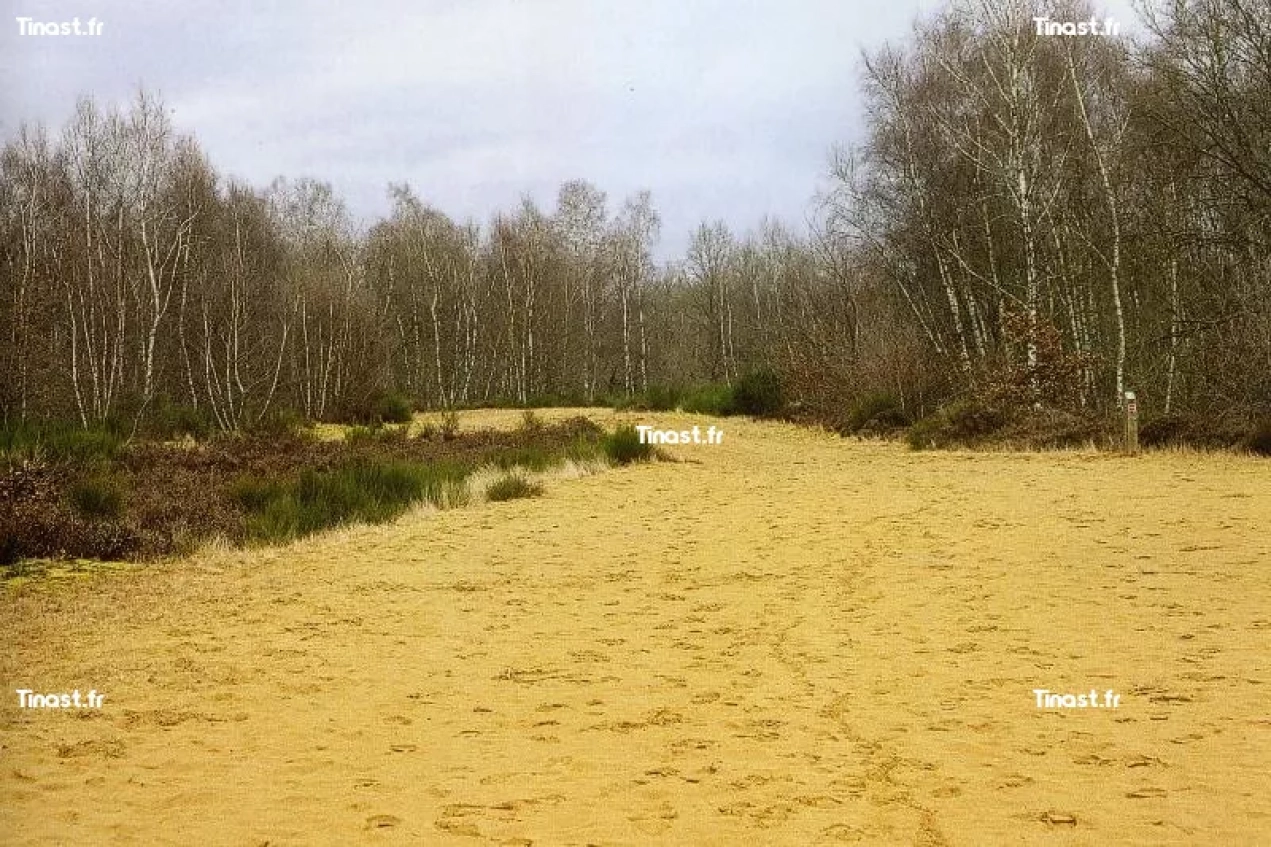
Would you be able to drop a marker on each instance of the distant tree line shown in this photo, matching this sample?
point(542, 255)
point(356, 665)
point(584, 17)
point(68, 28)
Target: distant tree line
point(1065, 217)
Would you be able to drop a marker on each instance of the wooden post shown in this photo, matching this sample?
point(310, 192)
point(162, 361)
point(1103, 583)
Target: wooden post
point(1131, 424)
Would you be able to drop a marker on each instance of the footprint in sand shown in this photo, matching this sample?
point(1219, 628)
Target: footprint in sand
point(383, 821)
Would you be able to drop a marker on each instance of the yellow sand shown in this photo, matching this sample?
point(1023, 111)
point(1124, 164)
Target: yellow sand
point(786, 639)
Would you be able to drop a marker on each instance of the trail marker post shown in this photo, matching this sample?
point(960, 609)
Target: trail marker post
point(1131, 423)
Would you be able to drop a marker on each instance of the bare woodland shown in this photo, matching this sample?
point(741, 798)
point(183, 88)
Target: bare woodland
point(1087, 214)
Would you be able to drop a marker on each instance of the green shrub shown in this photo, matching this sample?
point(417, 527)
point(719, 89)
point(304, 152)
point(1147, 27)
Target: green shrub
point(372, 408)
point(880, 408)
point(512, 487)
point(624, 447)
point(759, 394)
point(712, 399)
point(661, 398)
point(961, 423)
point(99, 497)
point(394, 408)
point(172, 421)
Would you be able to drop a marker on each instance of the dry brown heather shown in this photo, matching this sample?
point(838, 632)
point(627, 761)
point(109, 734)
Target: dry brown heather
point(788, 639)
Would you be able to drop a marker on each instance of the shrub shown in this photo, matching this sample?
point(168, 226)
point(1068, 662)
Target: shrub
point(963, 422)
point(512, 487)
point(877, 410)
point(1052, 428)
point(1163, 431)
point(624, 447)
point(1176, 430)
point(759, 394)
point(374, 407)
point(1259, 441)
point(172, 421)
point(98, 497)
point(661, 398)
point(55, 531)
point(711, 399)
point(394, 408)
point(583, 449)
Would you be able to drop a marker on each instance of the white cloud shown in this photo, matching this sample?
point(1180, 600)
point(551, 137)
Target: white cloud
point(722, 109)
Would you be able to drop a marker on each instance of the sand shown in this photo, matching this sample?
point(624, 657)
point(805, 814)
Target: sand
point(788, 638)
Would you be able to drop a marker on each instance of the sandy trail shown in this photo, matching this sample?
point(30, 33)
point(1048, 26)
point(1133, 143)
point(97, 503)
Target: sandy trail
point(786, 639)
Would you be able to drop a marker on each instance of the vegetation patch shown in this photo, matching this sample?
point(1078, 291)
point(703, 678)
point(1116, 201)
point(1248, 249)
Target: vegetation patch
point(623, 446)
point(760, 394)
point(874, 413)
point(98, 497)
point(512, 487)
point(154, 498)
point(1258, 441)
point(60, 442)
point(710, 399)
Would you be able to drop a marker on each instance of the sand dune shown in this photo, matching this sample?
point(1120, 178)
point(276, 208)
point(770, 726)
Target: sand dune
point(785, 639)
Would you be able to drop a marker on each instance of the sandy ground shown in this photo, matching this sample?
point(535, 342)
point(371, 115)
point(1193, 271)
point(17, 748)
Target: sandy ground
point(785, 639)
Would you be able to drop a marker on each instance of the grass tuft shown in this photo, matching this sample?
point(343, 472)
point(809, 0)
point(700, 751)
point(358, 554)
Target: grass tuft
point(623, 446)
point(512, 487)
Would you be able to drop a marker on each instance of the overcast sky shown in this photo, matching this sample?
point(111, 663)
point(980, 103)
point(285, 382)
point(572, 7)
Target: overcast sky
point(722, 109)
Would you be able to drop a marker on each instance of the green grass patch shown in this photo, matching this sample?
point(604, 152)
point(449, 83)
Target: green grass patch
point(60, 442)
point(512, 487)
point(623, 446)
point(368, 491)
point(711, 399)
point(532, 458)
